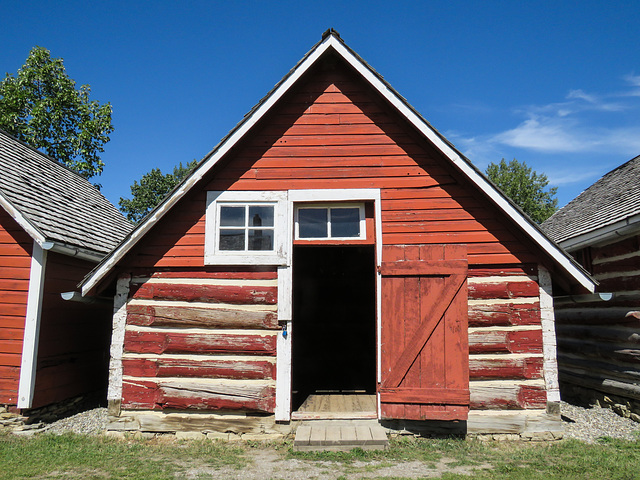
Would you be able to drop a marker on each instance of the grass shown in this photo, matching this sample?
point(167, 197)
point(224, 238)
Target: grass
point(75, 457)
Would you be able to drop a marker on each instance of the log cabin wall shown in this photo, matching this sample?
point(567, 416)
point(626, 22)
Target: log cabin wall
point(203, 337)
point(599, 342)
point(15, 267)
point(73, 350)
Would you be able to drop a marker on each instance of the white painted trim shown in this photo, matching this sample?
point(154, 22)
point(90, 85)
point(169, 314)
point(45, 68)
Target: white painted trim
point(549, 344)
point(114, 392)
point(21, 220)
point(278, 256)
point(283, 373)
point(605, 234)
point(285, 286)
point(29, 362)
point(362, 222)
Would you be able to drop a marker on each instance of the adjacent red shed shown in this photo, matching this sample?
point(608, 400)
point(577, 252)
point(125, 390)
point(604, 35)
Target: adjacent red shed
point(335, 256)
point(54, 227)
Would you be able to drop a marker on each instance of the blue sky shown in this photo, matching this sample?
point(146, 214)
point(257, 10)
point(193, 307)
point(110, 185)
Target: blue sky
point(555, 84)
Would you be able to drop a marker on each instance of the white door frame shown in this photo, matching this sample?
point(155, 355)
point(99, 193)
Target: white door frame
point(285, 288)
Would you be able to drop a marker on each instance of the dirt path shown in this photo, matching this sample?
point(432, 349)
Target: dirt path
point(268, 465)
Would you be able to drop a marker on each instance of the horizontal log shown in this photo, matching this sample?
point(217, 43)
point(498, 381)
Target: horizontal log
point(159, 421)
point(504, 271)
point(207, 293)
point(202, 367)
point(595, 314)
point(595, 349)
point(507, 395)
point(503, 314)
point(505, 341)
point(619, 283)
point(620, 335)
point(589, 366)
point(603, 384)
point(503, 290)
point(515, 422)
point(615, 249)
point(166, 316)
point(248, 273)
point(505, 367)
point(158, 342)
point(184, 394)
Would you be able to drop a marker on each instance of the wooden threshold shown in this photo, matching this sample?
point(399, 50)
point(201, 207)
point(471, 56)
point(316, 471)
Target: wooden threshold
point(337, 406)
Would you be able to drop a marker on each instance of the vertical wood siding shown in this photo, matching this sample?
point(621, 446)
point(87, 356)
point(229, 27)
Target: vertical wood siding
point(74, 337)
point(599, 342)
point(15, 265)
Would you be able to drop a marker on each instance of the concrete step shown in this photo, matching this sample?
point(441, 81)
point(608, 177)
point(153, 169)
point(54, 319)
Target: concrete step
point(340, 435)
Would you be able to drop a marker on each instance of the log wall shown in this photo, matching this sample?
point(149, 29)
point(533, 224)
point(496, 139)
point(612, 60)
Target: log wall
point(15, 267)
point(599, 342)
point(201, 340)
point(505, 339)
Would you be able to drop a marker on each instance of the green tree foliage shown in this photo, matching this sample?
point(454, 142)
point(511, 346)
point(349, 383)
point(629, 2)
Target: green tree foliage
point(525, 187)
point(41, 106)
point(151, 190)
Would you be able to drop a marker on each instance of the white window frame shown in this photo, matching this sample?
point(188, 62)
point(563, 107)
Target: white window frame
point(328, 207)
point(280, 253)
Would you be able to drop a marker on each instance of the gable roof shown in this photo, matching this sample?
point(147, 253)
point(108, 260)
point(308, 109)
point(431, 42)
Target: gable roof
point(331, 42)
point(606, 207)
point(57, 207)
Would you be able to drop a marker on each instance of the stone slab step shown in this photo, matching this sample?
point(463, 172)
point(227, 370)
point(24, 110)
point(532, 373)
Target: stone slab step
point(335, 435)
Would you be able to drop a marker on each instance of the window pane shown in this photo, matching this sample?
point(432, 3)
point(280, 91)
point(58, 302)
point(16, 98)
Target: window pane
point(261, 216)
point(232, 216)
point(231, 240)
point(312, 223)
point(345, 222)
point(260, 239)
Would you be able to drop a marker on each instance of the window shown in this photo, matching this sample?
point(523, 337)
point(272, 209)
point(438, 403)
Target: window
point(330, 222)
point(246, 228)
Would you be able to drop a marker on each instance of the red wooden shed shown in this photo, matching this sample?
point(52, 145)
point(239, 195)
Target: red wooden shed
point(334, 253)
point(54, 227)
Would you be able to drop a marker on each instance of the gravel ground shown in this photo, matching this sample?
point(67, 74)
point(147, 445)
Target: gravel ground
point(586, 424)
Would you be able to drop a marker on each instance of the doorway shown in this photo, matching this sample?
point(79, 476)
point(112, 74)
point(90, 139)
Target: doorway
point(334, 326)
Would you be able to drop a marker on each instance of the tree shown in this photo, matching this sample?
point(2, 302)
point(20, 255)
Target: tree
point(525, 187)
point(41, 106)
point(151, 190)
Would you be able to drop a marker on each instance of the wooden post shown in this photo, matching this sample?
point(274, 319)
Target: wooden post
point(283, 345)
point(114, 393)
point(549, 344)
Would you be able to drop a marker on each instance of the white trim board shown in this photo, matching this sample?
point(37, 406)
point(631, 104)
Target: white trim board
point(29, 361)
point(333, 42)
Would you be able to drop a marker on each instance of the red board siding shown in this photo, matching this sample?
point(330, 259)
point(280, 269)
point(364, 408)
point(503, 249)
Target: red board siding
point(334, 127)
point(74, 337)
point(15, 267)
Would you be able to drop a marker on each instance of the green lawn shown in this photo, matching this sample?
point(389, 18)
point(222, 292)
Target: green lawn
point(76, 457)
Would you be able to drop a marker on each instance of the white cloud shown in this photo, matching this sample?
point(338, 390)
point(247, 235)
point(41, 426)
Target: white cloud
point(545, 135)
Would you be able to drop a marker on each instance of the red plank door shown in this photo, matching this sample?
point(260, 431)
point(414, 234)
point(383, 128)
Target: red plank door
point(425, 353)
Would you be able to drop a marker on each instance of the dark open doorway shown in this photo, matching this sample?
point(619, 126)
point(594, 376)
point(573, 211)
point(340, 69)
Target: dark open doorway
point(334, 327)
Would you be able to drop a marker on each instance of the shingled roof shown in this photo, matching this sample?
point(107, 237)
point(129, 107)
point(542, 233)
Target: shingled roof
point(606, 206)
point(55, 204)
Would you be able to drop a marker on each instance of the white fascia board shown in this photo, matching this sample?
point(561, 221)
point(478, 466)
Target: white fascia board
point(197, 175)
point(614, 231)
point(29, 361)
point(21, 220)
point(538, 237)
